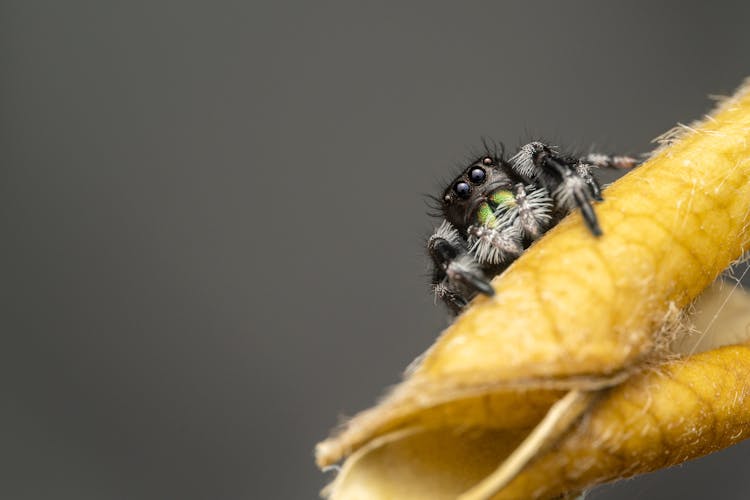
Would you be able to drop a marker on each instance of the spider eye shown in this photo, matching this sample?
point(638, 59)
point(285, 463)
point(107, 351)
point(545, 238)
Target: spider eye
point(462, 189)
point(487, 160)
point(477, 175)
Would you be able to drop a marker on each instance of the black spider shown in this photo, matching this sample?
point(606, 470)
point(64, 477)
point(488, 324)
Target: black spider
point(496, 208)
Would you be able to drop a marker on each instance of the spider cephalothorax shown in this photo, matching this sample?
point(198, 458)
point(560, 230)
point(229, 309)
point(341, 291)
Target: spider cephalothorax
point(496, 208)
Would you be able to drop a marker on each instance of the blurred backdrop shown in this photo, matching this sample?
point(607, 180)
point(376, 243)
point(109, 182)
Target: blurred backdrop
point(213, 214)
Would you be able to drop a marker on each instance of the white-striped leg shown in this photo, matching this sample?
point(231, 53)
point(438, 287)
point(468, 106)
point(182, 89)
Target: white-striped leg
point(534, 211)
point(539, 164)
point(610, 161)
point(457, 276)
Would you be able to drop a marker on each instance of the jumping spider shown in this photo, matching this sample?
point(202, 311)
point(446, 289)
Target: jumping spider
point(496, 208)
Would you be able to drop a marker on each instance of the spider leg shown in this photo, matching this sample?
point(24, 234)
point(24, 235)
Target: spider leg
point(534, 211)
point(495, 245)
point(457, 277)
point(584, 172)
point(601, 160)
point(610, 161)
point(539, 164)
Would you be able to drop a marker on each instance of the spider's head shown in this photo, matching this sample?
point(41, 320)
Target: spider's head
point(472, 189)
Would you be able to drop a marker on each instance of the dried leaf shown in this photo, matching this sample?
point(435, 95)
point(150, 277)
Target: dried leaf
point(583, 314)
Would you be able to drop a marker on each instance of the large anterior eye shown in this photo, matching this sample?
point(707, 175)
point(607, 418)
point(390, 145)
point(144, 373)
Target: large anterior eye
point(462, 189)
point(477, 175)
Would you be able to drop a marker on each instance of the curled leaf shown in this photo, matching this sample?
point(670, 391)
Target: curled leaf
point(590, 318)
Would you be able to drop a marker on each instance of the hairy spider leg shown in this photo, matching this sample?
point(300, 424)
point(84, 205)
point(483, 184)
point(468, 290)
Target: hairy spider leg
point(538, 163)
point(456, 276)
point(534, 213)
point(601, 160)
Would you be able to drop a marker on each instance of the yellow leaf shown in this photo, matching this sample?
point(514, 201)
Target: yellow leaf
point(586, 315)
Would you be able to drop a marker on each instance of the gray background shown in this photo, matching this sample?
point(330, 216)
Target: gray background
point(213, 214)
